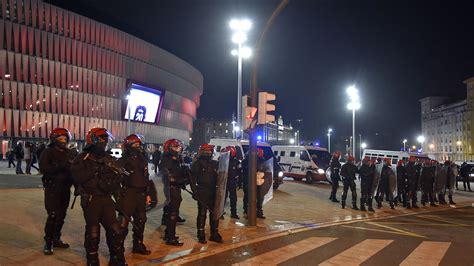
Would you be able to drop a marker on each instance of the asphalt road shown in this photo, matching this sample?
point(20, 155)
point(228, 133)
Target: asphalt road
point(9, 181)
point(440, 237)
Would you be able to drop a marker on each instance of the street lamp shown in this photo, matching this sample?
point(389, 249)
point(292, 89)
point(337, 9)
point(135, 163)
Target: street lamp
point(363, 145)
point(353, 105)
point(240, 27)
point(292, 141)
point(404, 144)
point(421, 139)
point(329, 139)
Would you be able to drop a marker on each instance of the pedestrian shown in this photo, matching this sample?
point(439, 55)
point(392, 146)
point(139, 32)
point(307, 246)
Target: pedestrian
point(335, 166)
point(55, 164)
point(204, 182)
point(19, 156)
point(34, 157)
point(233, 177)
point(465, 171)
point(134, 190)
point(156, 158)
point(402, 194)
point(27, 157)
point(452, 170)
point(11, 158)
point(174, 177)
point(40, 149)
point(386, 184)
point(348, 174)
point(366, 176)
point(96, 176)
point(427, 177)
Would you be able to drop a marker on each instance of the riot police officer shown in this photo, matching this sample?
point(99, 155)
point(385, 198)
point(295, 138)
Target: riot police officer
point(174, 178)
point(134, 190)
point(401, 183)
point(386, 178)
point(55, 164)
point(348, 173)
point(412, 178)
point(366, 175)
point(427, 177)
point(335, 166)
point(204, 181)
point(97, 175)
point(233, 177)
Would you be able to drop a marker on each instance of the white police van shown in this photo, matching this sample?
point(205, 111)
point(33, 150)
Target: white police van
point(309, 162)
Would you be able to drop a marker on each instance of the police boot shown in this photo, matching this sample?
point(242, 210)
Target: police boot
point(234, 216)
point(335, 200)
point(201, 235)
point(93, 260)
point(117, 260)
point(215, 236)
point(48, 248)
point(370, 209)
point(173, 241)
point(432, 204)
point(392, 205)
point(442, 201)
point(354, 206)
point(451, 200)
point(343, 204)
point(58, 243)
point(180, 219)
point(140, 248)
point(260, 214)
point(362, 205)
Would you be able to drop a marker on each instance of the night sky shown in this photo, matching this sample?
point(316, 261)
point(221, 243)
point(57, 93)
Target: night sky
point(395, 52)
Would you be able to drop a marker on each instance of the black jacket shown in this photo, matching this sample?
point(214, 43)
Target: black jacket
point(235, 170)
point(366, 172)
point(349, 171)
point(335, 165)
point(204, 172)
point(55, 165)
point(174, 173)
point(137, 166)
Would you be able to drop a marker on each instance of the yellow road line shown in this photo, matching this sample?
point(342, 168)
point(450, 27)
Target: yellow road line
point(376, 230)
point(427, 253)
point(358, 253)
point(287, 252)
point(396, 230)
point(419, 224)
point(440, 219)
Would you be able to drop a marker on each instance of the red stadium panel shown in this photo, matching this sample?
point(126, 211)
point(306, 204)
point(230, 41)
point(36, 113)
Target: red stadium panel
point(95, 79)
point(89, 56)
point(62, 49)
point(94, 58)
point(41, 15)
point(70, 102)
point(28, 104)
point(8, 122)
point(2, 34)
point(55, 121)
point(74, 78)
point(34, 97)
point(79, 85)
point(18, 70)
point(50, 46)
point(23, 39)
point(6, 93)
point(23, 124)
point(84, 54)
point(74, 52)
point(47, 99)
point(88, 30)
point(31, 41)
point(66, 23)
point(77, 27)
point(9, 35)
point(37, 42)
point(25, 67)
point(34, 13)
point(21, 95)
point(57, 74)
point(51, 70)
point(82, 128)
point(59, 12)
point(39, 70)
point(3, 62)
point(64, 102)
point(49, 121)
point(75, 103)
point(11, 65)
point(58, 101)
point(14, 90)
point(53, 100)
point(45, 67)
point(47, 17)
point(79, 53)
point(12, 10)
point(83, 28)
point(63, 76)
point(4, 8)
point(71, 25)
point(54, 14)
point(69, 81)
point(44, 44)
point(93, 30)
point(56, 47)
point(27, 12)
point(80, 103)
point(16, 123)
point(68, 50)
point(32, 68)
point(39, 102)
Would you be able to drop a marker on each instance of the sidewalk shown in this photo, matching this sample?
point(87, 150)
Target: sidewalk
point(295, 205)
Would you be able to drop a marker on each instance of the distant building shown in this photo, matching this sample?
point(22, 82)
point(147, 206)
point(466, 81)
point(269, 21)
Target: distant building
point(447, 126)
point(278, 133)
point(206, 128)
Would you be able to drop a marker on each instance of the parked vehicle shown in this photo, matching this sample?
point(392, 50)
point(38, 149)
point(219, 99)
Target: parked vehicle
point(300, 162)
point(242, 147)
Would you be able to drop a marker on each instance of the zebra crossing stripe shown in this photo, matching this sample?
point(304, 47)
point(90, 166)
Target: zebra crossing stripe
point(427, 253)
point(287, 252)
point(358, 253)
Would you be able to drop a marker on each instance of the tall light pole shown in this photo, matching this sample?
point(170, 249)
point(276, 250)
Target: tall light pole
point(404, 144)
point(353, 105)
point(329, 139)
point(240, 27)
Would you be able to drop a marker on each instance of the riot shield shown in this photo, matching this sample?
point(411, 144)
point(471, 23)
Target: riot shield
point(221, 184)
point(166, 185)
point(328, 174)
point(377, 174)
point(265, 188)
point(392, 182)
point(151, 197)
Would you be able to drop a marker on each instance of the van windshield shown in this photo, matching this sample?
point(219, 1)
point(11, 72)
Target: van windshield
point(267, 151)
point(320, 158)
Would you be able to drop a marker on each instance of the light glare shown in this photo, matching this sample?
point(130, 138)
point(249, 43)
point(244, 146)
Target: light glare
point(239, 37)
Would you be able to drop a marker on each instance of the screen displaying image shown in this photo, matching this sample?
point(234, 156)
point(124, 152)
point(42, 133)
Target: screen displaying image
point(143, 104)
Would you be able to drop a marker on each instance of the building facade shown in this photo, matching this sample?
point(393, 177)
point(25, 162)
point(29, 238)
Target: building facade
point(447, 127)
point(277, 133)
point(61, 69)
point(207, 128)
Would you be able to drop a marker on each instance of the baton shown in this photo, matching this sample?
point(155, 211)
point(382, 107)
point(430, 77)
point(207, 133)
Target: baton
point(198, 200)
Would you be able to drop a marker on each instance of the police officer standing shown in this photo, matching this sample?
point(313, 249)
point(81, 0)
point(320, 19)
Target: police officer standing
point(366, 175)
point(335, 166)
point(97, 175)
point(233, 177)
point(412, 178)
point(348, 173)
point(203, 183)
point(384, 184)
point(245, 171)
point(55, 164)
point(401, 183)
point(134, 190)
point(426, 180)
point(174, 178)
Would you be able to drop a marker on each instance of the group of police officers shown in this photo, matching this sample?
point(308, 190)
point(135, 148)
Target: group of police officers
point(107, 186)
point(379, 181)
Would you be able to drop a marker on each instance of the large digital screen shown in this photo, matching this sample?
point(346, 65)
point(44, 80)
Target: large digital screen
point(143, 104)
